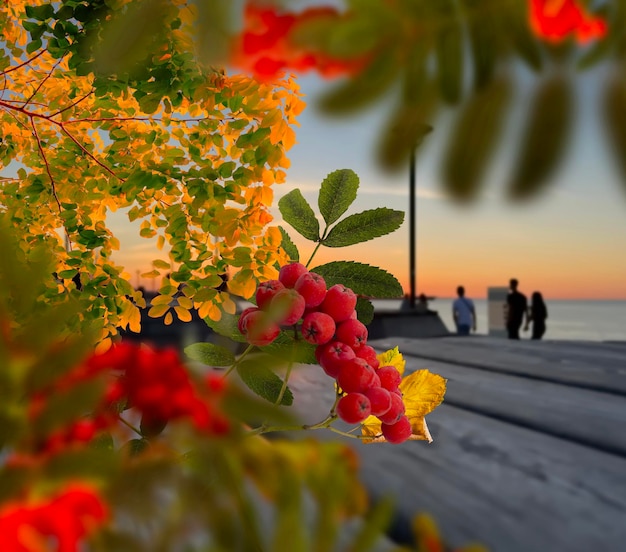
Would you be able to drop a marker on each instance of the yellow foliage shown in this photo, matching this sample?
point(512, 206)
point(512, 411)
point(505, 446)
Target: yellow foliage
point(186, 166)
point(422, 391)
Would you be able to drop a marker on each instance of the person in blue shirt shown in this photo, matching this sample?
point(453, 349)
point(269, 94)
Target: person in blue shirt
point(464, 313)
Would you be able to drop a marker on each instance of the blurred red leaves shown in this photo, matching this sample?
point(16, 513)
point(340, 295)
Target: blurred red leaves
point(556, 20)
point(63, 519)
point(268, 46)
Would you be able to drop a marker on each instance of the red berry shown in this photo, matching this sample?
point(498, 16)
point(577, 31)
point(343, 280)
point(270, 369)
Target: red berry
point(369, 354)
point(352, 332)
point(380, 399)
point(332, 355)
point(260, 328)
point(395, 412)
point(241, 323)
point(353, 408)
point(289, 273)
point(266, 291)
point(389, 376)
point(312, 287)
point(286, 307)
point(398, 432)
point(339, 302)
point(318, 328)
point(355, 375)
point(83, 430)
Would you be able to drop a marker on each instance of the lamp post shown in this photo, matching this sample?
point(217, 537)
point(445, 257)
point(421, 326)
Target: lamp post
point(412, 230)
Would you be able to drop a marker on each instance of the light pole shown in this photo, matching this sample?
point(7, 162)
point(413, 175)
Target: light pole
point(412, 230)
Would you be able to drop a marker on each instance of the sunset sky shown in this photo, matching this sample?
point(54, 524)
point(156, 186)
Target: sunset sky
point(569, 243)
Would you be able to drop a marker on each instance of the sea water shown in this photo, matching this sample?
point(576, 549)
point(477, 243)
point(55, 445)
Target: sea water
point(590, 320)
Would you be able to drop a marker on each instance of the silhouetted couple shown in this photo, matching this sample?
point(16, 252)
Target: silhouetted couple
point(517, 311)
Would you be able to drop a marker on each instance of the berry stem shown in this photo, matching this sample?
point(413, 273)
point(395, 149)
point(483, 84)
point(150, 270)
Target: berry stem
point(345, 434)
point(324, 424)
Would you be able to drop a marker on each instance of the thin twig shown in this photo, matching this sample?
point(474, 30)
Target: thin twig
point(73, 104)
point(41, 83)
point(86, 151)
point(11, 69)
point(45, 160)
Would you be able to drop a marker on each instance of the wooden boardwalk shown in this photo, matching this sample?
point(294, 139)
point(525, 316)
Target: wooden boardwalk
point(530, 444)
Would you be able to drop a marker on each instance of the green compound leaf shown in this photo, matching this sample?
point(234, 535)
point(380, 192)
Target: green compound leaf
point(297, 212)
point(262, 381)
point(363, 279)
point(364, 311)
point(337, 193)
point(286, 348)
point(227, 326)
point(210, 354)
point(288, 245)
point(364, 226)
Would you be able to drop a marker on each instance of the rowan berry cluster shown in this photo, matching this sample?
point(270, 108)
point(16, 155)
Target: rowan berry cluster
point(64, 519)
point(327, 318)
point(153, 382)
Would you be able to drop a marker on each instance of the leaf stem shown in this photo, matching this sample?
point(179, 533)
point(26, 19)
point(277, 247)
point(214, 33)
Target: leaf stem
point(238, 361)
point(285, 381)
point(131, 426)
point(319, 243)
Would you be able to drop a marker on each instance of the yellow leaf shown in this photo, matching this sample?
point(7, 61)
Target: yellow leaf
point(392, 357)
point(422, 392)
point(134, 320)
point(228, 304)
point(185, 302)
point(183, 314)
point(371, 427)
point(168, 319)
point(103, 346)
point(158, 311)
point(160, 300)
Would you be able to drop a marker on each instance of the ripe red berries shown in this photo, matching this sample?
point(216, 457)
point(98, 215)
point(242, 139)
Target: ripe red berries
point(288, 274)
point(339, 302)
point(397, 432)
point(328, 319)
point(318, 328)
point(353, 408)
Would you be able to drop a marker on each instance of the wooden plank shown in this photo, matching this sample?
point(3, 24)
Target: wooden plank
point(512, 488)
point(566, 365)
point(587, 417)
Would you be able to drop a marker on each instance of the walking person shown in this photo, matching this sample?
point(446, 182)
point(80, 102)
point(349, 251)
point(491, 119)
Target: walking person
point(538, 315)
point(463, 313)
point(517, 310)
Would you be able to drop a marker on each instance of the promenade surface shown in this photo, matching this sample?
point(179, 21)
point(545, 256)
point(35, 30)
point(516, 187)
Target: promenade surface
point(529, 451)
